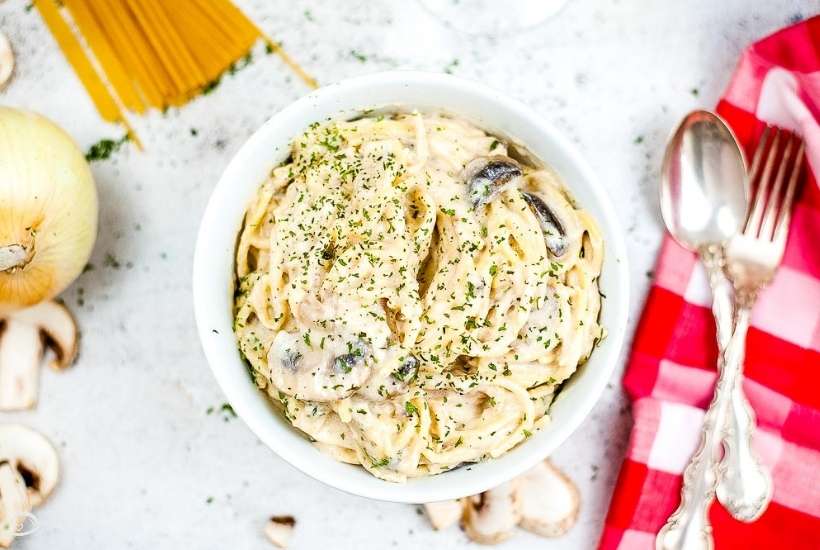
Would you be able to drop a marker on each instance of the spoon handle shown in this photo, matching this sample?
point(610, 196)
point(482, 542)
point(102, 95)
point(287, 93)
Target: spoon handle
point(688, 527)
point(745, 489)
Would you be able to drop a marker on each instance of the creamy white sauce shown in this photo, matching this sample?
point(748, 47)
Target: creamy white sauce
point(398, 325)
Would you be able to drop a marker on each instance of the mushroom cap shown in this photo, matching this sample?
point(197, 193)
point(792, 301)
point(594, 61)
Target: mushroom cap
point(491, 517)
point(33, 457)
point(6, 60)
point(548, 501)
point(554, 235)
point(59, 326)
point(14, 503)
point(443, 514)
point(488, 177)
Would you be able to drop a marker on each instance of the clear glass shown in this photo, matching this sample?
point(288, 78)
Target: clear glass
point(493, 16)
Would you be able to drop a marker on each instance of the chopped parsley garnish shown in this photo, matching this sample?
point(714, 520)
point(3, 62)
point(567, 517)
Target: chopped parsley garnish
point(104, 148)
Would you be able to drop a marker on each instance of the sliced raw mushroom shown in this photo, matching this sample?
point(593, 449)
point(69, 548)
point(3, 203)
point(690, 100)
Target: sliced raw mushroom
point(488, 177)
point(14, 504)
point(33, 457)
point(279, 529)
point(554, 235)
point(491, 517)
point(6, 60)
point(547, 500)
point(24, 335)
point(443, 514)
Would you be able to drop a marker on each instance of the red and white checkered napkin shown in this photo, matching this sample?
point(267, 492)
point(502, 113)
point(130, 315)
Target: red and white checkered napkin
point(671, 372)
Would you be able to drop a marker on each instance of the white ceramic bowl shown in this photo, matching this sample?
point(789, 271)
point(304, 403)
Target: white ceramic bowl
point(269, 146)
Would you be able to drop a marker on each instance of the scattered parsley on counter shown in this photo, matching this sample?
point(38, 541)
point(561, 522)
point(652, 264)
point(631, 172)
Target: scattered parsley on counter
point(638, 140)
point(104, 148)
point(450, 67)
point(211, 86)
point(111, 261)
point(234, 68)
point(226, 410)
point(695, 92)
point(359, 56)
point(237, 66)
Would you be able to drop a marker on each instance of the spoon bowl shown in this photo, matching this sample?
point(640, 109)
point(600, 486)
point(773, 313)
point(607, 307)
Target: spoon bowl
point(701, 202)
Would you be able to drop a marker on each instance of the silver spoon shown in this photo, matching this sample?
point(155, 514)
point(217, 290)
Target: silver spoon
point(704, 199)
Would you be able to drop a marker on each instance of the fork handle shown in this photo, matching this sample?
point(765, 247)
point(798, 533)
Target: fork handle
point(688, 528)
point(745, 488)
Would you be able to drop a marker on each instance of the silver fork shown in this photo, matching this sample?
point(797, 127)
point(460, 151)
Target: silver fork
point(752, 257)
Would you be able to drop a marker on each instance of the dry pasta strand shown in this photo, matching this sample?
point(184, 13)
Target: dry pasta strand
point(151, 53)
point(73, 51)
point(105, 54)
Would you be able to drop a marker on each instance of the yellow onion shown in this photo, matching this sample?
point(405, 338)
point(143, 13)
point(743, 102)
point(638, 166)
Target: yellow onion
point(48, 210)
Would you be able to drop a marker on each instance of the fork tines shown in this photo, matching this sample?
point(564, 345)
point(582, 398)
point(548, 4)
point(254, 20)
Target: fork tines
point(782, 152)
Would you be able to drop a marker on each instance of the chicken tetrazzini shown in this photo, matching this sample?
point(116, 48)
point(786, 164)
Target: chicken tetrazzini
point(410, 296)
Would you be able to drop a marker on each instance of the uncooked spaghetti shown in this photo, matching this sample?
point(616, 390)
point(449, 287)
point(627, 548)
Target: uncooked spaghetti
point(132, 55)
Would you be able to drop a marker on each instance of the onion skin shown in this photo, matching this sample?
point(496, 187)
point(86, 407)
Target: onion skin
point(48, 205)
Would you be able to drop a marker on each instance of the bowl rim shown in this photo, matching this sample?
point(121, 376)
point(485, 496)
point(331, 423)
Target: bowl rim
point(618, 275)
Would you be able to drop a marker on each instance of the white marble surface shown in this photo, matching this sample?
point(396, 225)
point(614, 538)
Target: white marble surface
point(144, 465)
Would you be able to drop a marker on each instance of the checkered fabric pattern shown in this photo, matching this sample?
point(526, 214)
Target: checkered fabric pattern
point(671, 371)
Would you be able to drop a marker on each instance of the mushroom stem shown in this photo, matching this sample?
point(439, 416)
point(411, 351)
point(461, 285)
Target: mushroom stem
point(21, 350)
point(13, 256)
point(14, 504)
point(23, 335)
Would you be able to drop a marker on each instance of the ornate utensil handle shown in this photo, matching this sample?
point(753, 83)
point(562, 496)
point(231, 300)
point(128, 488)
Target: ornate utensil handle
point(745, 488)
point(688, 527)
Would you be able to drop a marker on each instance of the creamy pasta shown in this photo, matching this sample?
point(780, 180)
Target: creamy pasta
point(410, 296)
